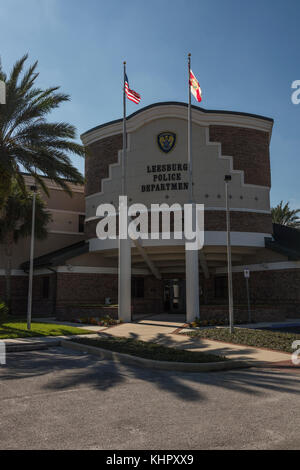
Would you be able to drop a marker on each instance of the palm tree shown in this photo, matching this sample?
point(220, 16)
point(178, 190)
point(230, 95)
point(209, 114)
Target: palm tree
point(27, 141)
point(284, 215)
point(15, 223)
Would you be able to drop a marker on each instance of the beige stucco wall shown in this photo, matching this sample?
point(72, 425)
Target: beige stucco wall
point(21, 250)
point(62, 229)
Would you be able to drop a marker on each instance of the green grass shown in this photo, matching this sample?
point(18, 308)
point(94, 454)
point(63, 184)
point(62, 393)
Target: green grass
point(278, 341)
point(10, 329)
point(148, 350)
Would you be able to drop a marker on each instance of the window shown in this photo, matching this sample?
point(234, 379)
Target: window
point(137, 287)
point(221, 287)
point(45, 287)
point(81, 223)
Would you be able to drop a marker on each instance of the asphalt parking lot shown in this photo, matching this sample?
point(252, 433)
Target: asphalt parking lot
point(62, 399)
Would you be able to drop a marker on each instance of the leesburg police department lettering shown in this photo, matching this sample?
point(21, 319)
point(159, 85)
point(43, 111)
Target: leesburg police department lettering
point(166, 177)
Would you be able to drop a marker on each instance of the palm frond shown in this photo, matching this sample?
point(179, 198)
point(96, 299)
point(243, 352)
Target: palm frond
point(284, 215)
point(27, 139)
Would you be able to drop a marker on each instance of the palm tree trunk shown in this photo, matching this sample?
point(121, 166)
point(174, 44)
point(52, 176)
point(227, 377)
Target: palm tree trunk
point(5, 185)
point(8, 264)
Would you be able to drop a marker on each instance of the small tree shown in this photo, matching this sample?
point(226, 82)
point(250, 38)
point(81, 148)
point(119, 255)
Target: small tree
point(15, 223)
point(284, 215)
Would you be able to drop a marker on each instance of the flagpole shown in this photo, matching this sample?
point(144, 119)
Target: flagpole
point(124, 134)
point(191, 256)
point(124, 268)
point(190, 162)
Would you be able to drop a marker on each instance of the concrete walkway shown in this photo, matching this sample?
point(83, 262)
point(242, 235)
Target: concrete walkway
point(162, 329)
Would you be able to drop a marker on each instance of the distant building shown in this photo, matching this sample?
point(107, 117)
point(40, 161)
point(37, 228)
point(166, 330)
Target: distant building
point(66, 228)
point(83, 270)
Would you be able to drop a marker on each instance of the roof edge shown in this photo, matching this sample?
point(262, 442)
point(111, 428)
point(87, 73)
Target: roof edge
point(179, 103)
point(62, 254)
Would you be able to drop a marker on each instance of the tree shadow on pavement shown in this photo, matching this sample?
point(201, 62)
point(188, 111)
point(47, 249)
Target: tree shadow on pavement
point(187, 344)
point(62, 369)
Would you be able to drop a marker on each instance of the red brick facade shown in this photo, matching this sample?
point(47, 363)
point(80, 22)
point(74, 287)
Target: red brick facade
point(99, 156)
point(239, 221)
point(83, 295)
point(249, 149)
point(19, 288)
point(275, 295)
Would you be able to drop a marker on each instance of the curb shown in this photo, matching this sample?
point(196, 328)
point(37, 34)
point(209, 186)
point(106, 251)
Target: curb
point(150, 363)
point(34, 346)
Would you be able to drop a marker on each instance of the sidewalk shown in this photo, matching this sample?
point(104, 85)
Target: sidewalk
point(162, 331)
point(38, 342)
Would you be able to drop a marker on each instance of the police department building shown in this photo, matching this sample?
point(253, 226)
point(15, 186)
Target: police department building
point(76, 273)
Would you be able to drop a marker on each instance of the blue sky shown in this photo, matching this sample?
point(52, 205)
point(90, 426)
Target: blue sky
point(245, 55)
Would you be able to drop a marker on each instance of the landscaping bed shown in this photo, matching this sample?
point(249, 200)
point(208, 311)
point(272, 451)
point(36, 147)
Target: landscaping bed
point(198, 323)
point(10, 329)
point(83, 312)
point(148, 350)
point(277, 341)
point(103, 321)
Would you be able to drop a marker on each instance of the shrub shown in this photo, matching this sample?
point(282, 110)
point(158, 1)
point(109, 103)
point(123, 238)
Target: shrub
point(107, 320)
point(198, 322)
point(103, 321)
point(3, 311)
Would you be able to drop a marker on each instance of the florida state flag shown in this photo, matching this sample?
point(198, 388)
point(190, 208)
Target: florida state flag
point(195, 87)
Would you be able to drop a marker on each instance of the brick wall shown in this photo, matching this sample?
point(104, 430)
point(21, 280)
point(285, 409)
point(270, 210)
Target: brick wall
point(274, 295)
point(82, 295)
point(86, 287)
point(249, 149)
point(19, 288)
point(99, 156)
point(272, 287)
point(239, 221)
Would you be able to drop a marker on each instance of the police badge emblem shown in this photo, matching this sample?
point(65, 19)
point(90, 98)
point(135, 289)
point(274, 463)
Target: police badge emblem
point(166, 141)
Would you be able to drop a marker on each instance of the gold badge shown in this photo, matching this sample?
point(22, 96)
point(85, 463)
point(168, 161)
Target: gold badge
point(166, 141)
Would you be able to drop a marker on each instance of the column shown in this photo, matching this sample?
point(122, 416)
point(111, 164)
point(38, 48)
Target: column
point(192, 285)
point(124, 280)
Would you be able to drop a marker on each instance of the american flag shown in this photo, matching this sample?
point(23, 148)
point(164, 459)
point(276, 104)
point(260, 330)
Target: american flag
point(131, 94)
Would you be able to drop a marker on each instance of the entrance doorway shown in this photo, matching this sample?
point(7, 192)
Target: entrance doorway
point(174, 295)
